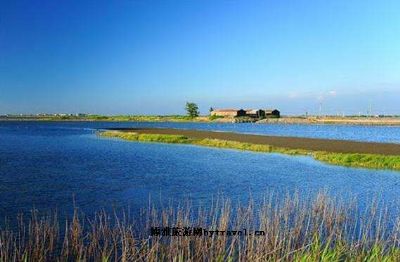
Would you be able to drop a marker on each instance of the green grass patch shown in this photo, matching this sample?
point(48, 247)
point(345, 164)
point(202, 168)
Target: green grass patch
point(132, 136)
point(360, 160)
point(175, 139)
point(342, 159)
point(116, 118)
point(214, 117)
point(142, 118)
point(248, 146)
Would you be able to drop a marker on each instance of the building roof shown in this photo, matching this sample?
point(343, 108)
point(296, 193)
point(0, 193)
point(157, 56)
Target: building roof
point(249, 111)
point(270, 110)
point(226, 110)
point(253, 111)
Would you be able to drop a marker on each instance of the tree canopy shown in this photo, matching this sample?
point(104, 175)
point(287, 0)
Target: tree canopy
point(192, 109)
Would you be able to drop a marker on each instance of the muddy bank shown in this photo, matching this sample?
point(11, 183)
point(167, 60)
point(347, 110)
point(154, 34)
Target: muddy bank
point(312, 144)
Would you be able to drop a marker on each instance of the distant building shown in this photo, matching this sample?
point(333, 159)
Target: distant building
point(272, 113)
point(255, 113)
point(228, 112)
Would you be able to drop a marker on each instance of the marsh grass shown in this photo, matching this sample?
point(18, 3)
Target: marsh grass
point(360, 160)
point(131, 136)
point(142, 118)
point(322, 229)
point(343, 159)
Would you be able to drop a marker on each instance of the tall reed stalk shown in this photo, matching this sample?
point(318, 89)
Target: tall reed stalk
point(323, 229)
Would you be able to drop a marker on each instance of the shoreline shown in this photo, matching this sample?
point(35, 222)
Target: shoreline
point(370, 121)
point(335, 152)
point(302, 143)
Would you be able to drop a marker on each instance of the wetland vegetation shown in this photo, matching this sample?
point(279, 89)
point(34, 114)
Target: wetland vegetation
point(322, 229)
point(374, 161)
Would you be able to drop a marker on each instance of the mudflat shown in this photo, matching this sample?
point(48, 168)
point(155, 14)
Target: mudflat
point(312, 144)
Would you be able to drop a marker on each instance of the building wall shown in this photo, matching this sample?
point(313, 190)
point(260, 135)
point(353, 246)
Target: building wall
point(224, 113)
point(255, 113)
point(241, 112)
point(250, 113)
point(273, 113)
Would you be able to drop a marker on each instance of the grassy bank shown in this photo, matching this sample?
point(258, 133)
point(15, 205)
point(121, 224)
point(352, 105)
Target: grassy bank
point(115, 118)
point(146, 118)
point(392, 121)
point(278, 229)
point(344, 159)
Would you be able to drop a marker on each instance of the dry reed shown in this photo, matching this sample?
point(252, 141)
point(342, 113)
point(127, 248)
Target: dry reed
point(322, 229)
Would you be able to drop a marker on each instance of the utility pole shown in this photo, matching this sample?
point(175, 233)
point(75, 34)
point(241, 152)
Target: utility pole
point(370, 109)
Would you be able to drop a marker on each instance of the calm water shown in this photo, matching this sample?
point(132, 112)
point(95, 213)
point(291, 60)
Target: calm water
point(46, 165)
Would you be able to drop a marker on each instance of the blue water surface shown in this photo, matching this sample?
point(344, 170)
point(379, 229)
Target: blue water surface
point(385, 134)
point(51, 165)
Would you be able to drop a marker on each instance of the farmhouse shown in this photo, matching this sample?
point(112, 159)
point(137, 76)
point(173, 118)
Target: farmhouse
point(228, 112)
point(272, 113)
point(253, 113)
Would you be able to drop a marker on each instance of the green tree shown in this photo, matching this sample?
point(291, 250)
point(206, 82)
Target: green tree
point(192, 109)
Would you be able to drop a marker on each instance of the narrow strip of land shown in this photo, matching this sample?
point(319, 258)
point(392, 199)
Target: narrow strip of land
point(312, 144)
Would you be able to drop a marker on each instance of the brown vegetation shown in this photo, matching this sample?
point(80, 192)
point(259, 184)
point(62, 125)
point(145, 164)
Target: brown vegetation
point(320, 230)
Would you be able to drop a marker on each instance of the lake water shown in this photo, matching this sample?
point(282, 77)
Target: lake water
point(48, 164)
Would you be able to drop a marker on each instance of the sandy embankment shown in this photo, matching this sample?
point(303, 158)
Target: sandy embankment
point(312, 144)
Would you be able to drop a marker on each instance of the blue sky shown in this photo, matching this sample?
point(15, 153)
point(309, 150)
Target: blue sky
point(150, 57)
